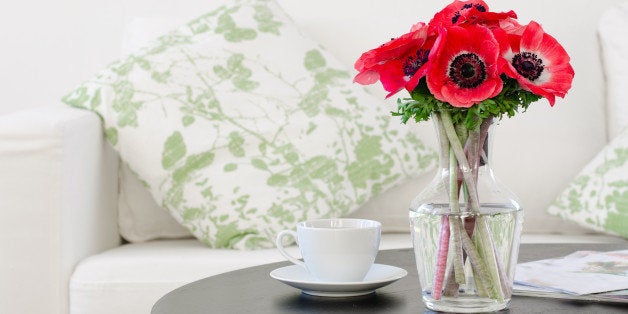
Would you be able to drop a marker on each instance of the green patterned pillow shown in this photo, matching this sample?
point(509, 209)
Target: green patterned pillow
point(240, 126)
point(598, 197)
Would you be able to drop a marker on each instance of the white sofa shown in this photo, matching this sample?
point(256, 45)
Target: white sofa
point(61, 249)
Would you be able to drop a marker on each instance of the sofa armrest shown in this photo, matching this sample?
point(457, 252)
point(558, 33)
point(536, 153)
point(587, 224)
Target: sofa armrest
point(58, 194)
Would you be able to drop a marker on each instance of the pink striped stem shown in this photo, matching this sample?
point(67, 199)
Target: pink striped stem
point(441, 258)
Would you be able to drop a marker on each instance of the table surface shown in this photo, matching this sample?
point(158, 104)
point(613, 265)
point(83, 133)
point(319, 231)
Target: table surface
point(252, 290)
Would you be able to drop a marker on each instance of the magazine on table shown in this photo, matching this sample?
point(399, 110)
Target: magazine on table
point(583, 275)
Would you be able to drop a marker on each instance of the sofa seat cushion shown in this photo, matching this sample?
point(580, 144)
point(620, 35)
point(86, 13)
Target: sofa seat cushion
point(131, 278)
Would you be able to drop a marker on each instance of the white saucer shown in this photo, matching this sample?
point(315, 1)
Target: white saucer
point(378, 276)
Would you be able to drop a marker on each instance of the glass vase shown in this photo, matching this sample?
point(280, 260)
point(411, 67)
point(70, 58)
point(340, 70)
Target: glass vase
point(466, 225)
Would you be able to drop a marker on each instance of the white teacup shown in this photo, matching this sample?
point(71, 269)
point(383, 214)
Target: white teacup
point(335, 250)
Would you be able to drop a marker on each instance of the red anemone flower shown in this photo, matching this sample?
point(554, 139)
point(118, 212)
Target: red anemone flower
point(398, 63)
point(540, 64)
point(460, 13)
point(463, 69)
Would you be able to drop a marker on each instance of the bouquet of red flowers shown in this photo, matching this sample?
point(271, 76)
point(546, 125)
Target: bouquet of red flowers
point(469, 57)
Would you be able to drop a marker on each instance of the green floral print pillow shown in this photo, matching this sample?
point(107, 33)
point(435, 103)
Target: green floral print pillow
point(598, 197)
point(240, 126)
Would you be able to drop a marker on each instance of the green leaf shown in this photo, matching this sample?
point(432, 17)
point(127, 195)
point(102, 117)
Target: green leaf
point(160, 77)
point(96, 100)
point(328, 76)
point(321, 167)
point(235, 144)
point(244, 84)
point(230, 167)
point(277, 180)
point(234, 63)
point(190, 214)
point(240, 34)
point(259, 164)
point(192, 163)
point(265, 23)
point(174, 150)
point(221, 72)
point(508, 102)
point(187, 120)
point(292, 157)
point(335, 112)
point(310, 104)
point(262, 148)
point(313, 60)
point(124, 105)
point(311, 128)
point(78, 98)
point(112, 135)
point(227, 26)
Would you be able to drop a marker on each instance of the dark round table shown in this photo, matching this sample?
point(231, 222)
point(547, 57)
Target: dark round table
point(252, 290)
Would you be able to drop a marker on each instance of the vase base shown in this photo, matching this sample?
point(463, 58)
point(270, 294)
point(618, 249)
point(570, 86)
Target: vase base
point(464, 304)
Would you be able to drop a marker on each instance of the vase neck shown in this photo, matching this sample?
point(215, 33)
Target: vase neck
point(475, 143)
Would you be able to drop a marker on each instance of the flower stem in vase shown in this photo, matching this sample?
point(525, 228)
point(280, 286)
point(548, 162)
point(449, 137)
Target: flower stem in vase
point(454, 220)
point(444, 234)
point(480, 252)
point(487, 243)
point(441, 258)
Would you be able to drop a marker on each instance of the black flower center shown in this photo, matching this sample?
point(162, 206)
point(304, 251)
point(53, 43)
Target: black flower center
point(455, 18)
point(458, 14)
point(528, 64)
point(467, 70)
point(415, 62)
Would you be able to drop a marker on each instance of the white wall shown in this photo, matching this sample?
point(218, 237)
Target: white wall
point(47, 47)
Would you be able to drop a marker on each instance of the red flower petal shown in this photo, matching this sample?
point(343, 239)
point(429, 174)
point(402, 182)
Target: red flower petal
point(511, 26)
point(460, 13)
point(396, 62)
point(367, 77)
point(540, 64)
point(464, 66)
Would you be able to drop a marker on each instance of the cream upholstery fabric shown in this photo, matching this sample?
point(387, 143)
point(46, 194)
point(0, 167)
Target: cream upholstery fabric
point(58, 190)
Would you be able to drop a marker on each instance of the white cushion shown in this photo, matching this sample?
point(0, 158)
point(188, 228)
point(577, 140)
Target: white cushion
point(612, 32)
point(598, 197)
point(241, 126)
point(141, 219)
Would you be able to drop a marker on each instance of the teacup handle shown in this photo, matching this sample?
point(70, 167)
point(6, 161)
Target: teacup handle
point(279, 243)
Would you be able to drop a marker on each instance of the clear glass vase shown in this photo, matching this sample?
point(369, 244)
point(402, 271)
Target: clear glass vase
point(466, 225)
